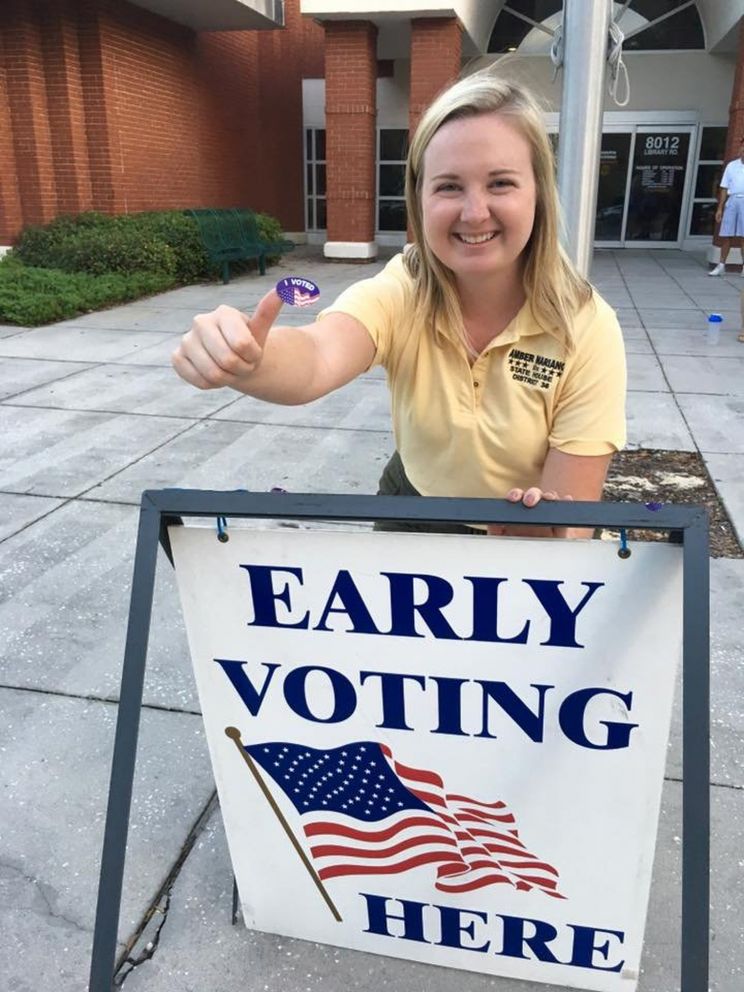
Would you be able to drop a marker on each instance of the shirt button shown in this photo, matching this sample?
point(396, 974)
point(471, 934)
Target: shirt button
point(476, 383)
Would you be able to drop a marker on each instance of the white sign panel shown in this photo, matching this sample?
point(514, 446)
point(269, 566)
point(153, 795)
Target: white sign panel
point(446, 749)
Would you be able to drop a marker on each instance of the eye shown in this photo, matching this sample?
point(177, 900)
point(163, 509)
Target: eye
point(446, 187)
point(501, 183)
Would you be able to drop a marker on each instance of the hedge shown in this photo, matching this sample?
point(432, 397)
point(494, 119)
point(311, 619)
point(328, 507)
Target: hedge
point(30, 296)
point(85, 262)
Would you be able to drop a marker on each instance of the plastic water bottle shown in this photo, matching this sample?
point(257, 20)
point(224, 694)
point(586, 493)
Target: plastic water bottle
point(713, 329)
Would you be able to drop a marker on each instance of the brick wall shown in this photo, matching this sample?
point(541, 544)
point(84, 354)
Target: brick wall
point(10, 199)
point(113, 108)
point(436, 52)
point(351, 75)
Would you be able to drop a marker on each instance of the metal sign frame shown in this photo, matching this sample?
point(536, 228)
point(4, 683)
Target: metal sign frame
point(160, 509)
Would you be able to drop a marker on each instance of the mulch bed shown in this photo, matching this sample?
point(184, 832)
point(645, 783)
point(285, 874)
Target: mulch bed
point(647, 475)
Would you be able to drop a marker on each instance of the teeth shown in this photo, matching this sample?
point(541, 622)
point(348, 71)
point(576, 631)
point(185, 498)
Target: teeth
point(476, 239)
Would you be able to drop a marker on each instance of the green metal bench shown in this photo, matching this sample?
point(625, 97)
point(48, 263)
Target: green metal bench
point(232, 235)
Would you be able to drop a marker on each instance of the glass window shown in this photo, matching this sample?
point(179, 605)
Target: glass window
point(393, 145)
point(391, 215)
point(320, 177)
point(703, 220)
point(315, 179)
point(708, 181)
point(651, 9)
point(391, 176)
point(392, 180)
point(713, 144)
point(681, 30)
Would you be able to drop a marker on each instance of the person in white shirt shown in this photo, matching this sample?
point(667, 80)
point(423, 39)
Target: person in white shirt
point(730, 211)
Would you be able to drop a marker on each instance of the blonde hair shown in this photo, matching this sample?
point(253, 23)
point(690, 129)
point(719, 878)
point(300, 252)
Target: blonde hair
point(554, 289)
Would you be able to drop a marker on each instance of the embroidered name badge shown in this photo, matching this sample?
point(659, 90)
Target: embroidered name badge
point(534, 370)
point(297, 292)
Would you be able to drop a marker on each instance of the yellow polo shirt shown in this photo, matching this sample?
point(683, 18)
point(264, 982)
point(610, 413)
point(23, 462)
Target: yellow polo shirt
point(481, 430)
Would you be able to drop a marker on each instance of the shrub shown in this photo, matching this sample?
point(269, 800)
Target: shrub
point(99, 244)
point(181, 234)
point(30, 296)
point(130, 255)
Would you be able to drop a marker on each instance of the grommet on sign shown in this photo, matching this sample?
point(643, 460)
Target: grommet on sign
point(222, 534)
point(624, 550)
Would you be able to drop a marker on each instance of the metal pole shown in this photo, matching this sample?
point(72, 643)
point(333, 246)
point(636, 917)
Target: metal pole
point(103, 958)
point(586, 26)
point(696, 758)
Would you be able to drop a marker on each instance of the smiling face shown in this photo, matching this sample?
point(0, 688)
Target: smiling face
point(478, 196)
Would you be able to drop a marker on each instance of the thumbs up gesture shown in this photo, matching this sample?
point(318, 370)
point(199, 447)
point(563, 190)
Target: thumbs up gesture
point(225, 347)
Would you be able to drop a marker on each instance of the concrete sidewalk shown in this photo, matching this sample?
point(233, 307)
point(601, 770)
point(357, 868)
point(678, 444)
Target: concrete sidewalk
point(90, 415)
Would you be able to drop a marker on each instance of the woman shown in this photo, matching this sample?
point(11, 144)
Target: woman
point(506, 370)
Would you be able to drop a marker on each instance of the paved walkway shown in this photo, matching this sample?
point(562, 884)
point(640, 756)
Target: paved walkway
point(90, 415)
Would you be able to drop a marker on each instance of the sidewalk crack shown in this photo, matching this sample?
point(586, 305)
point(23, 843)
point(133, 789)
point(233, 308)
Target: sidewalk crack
point(143, 943)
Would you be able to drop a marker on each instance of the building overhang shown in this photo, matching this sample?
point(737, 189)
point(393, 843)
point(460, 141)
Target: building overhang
point(476, 17)
point(219, 15)
point(721, 24)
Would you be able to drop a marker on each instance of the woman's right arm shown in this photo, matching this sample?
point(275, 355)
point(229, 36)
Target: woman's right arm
point(288, 365)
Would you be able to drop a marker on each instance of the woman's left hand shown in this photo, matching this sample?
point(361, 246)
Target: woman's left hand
point(531, 497)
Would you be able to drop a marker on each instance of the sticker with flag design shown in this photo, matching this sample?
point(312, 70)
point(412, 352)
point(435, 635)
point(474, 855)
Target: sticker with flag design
point(297, 292)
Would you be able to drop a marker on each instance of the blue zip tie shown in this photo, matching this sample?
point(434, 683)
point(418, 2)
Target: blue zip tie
point(222, 534)
point(624, 551)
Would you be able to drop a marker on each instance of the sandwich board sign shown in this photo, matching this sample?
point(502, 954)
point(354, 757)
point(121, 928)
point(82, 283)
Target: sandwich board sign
point(438, 748)
point(446, 749)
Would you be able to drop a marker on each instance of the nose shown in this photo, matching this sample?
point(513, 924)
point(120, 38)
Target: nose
point(474, 207)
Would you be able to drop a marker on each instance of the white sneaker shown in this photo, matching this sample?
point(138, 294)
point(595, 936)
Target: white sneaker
point(717, 270)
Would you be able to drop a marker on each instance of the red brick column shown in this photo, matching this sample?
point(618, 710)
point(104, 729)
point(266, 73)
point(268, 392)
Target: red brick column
point(101, 104)
point(64, 89)
point(436, 53)
point(735, 131)
point(11, 216)
point(351, 112)
point(26, 98)
point(736, 107)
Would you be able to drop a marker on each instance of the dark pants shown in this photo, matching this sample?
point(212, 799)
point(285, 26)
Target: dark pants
point(395, 482)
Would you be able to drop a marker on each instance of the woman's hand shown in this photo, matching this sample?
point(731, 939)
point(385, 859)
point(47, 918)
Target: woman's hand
point(582, 476)
point(531, 497)
point(283, 364)
point(224, 347)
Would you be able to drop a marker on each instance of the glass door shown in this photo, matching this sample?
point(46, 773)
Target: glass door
point(657, 186)
point(642, 185)
point(612, 187)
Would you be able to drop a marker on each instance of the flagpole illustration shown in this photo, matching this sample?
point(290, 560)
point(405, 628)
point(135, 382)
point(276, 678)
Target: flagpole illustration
point(234, 734)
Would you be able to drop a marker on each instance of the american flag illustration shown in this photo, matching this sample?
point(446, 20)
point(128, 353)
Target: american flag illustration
point(297, 292)
point(300, 299)
point(364, 813)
